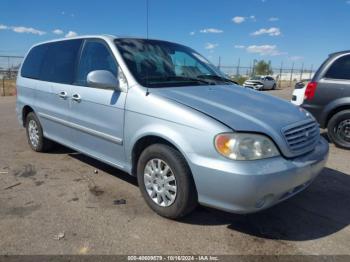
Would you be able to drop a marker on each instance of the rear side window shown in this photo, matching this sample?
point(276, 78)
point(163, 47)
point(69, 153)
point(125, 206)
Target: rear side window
point(60, 62)
point(340, 69)
point(95, 56)
point(32, 64)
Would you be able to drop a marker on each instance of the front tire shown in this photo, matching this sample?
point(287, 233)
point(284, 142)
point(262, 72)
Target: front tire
point(166, 182)
point(35, 135)
point(339, 129)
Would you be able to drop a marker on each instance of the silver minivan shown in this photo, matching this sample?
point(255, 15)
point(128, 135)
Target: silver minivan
point(163, 113)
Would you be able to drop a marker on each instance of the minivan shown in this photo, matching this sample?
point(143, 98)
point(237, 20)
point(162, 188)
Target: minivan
point(162, 112)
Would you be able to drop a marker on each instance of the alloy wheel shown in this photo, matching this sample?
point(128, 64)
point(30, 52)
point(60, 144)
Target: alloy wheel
point(160, 182)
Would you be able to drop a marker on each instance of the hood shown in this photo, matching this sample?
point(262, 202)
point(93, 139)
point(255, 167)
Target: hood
point(238, 108)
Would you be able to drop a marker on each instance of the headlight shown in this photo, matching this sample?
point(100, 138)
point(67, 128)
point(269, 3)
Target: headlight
point(245, 146)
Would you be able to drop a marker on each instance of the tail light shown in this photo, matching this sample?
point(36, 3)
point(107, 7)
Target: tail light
point(310, 91)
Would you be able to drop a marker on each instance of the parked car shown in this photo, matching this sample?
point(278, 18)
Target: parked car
point(261, 83)
point(299, 92)
point(161, 112)
point(327, 97)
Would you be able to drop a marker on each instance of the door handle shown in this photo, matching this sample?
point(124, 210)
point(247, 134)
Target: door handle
point(76, 97)
point(63, 94)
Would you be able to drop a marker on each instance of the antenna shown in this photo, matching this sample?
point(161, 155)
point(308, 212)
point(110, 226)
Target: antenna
point(147, 22)
point(147, 17)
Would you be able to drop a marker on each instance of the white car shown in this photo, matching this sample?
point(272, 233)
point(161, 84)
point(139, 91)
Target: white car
point(261, 83)
point(299, 92)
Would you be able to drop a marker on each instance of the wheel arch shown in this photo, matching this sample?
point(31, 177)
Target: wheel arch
point(145, 141)
point(335, 110)
point(25, 111)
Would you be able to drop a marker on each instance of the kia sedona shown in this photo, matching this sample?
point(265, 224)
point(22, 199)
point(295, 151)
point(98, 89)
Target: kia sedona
point(162, 112)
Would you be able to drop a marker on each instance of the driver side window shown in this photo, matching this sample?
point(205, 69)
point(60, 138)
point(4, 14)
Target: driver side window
point(95, 56)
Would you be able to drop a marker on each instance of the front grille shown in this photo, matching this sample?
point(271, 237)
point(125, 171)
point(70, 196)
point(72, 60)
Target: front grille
point(302, 137)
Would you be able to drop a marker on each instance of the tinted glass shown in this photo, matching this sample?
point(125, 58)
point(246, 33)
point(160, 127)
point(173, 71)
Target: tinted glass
point(340, 69)
point(95, 56)
point(32, 63)
point(60, 62)
point(159, 63)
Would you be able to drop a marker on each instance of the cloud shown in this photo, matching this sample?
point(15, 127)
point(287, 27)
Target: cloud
point(211, 46)
point(192, 33)
point(296, 58)
point(239, 46)
point(22, 29)
point(71, 34)
point(211, 30)
point(253, 18)
point(273, 19)
point(28, 30)
point(242, 19)
point(238, 19)
point(268, 50)
point(273, 31)
point(57, 32)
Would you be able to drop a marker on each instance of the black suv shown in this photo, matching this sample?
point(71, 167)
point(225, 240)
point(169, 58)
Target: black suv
point(327, 97)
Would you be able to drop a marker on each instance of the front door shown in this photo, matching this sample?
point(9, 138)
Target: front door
point(97, 115)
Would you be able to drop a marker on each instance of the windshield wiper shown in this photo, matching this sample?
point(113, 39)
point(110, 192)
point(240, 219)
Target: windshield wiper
point(220, 78)
point(175, 78)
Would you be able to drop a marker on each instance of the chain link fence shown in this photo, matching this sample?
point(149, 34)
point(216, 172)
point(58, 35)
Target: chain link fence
point(285, 77)
point(9, 66)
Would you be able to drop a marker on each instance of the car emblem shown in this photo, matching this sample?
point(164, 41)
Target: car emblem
point(307, 134)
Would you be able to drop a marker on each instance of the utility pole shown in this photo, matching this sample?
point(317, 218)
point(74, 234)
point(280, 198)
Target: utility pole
point(253, 71)
point(280, 76)
point(291, 75)
point(302, 71)
point(238, 65)
point(312, 67)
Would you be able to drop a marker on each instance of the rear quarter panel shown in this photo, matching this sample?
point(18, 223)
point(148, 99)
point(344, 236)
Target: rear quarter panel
point(25, 95)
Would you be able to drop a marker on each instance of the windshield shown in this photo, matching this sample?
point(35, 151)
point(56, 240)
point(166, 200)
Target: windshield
point(156, 63)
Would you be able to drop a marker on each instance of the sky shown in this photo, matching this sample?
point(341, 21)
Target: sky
point(282, 31)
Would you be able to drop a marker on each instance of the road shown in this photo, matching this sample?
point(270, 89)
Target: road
point(47, 196)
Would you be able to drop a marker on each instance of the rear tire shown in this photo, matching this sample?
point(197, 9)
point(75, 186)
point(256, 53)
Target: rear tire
point(339, 129)
point(158, 164)
point(35, 135)
point(274, 87)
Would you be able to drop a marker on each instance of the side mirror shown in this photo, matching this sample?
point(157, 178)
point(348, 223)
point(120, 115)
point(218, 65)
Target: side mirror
point(102, 79)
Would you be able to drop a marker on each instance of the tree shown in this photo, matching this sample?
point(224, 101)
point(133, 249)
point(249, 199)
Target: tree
point(263, 68)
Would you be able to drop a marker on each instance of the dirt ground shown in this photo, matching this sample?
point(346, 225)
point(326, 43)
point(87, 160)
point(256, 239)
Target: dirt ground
point(7, 87)
point(55, 203)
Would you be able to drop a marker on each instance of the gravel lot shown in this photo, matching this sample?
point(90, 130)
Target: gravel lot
point(45, 195)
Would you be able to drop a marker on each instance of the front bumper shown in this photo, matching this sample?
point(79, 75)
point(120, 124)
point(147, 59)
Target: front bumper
point(255, 87)
point(250, 186)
